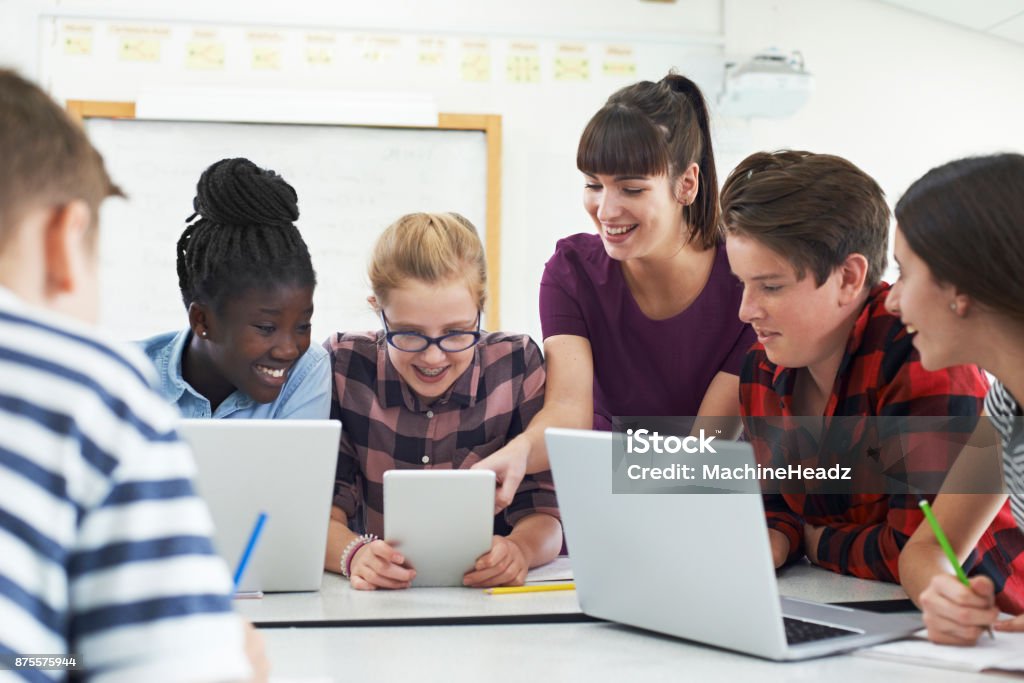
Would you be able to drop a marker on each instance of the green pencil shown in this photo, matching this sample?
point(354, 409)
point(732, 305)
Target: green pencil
point(946, 548)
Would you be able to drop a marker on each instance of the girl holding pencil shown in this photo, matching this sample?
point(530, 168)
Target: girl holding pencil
point(960, 247)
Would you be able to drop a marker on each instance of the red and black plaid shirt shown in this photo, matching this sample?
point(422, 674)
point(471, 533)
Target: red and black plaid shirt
point(880, 375)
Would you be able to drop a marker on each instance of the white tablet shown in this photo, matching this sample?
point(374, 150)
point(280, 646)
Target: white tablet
point(440, 520)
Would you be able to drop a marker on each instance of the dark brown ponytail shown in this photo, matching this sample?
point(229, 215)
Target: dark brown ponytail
point(703, 214)
point(652, 128)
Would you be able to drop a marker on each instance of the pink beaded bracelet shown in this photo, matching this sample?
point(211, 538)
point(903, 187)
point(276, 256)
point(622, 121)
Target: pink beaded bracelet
point(350, 552)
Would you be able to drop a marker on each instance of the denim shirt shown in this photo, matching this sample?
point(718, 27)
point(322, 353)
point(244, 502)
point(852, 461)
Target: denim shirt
point(305, 395)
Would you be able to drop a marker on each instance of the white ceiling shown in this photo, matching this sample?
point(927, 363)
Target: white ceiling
point(999, 18)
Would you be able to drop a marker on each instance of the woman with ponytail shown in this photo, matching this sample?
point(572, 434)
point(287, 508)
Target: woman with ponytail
point(640, 318)
point(247, 283)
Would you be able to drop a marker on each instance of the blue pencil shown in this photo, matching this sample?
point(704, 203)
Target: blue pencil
point(253, 537)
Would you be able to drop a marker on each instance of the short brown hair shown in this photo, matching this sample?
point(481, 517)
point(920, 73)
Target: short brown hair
point(47, 158)
point(652, 128)
point(432, 248)
point(813, 209)
point(963, 219)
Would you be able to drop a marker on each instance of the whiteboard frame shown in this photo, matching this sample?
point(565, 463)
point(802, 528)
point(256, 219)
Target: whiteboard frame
point(488, 124)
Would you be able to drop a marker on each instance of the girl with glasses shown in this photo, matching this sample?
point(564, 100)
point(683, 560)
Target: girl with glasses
point(431, 390)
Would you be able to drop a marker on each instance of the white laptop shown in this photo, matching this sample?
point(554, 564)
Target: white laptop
point(285, 468)
point(440, 520)
point(692, 565)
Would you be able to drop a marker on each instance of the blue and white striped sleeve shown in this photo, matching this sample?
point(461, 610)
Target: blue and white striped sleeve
point(105, 549)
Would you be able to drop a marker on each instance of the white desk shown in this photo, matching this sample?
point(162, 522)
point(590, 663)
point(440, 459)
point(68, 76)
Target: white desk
point(337, 602)
point(593, 652)
point(532, 651)
point(807, 582)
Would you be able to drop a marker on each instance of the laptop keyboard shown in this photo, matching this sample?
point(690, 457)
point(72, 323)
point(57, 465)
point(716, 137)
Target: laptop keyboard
point(798, 631)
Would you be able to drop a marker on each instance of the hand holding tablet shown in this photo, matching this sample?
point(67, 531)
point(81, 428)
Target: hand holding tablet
point(440, 521)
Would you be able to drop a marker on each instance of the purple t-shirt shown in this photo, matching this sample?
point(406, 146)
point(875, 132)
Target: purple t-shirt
point(642, 366)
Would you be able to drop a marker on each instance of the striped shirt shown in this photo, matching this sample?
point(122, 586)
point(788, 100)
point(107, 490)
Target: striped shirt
point(104, 548)
point(880, 375)
point(384, 426)
point(1006, 417)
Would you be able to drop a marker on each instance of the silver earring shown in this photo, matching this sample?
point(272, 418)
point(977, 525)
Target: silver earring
point(952, 306)
point(203, 334)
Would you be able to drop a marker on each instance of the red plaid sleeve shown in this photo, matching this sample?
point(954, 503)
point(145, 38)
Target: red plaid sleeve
point(871, 551)
point(782, 519)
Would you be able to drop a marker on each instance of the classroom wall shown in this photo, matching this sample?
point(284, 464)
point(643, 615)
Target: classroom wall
point(542, 121)
point(896, 92)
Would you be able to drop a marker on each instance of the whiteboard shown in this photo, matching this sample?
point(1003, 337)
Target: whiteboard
point(351, 181)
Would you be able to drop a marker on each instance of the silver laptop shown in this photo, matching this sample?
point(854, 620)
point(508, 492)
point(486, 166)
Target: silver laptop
point(285, 468)
point(692, 565)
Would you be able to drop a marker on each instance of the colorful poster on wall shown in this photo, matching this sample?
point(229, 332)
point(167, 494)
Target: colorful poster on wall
point(476, 61)
point(267, 50)
point(77, 39)
point(572, 62)
point(320, 48)
point(523, 62)
point(431, 51)
point(205, 50)
point(378, 49)
point(619, 60)
point(139, 43)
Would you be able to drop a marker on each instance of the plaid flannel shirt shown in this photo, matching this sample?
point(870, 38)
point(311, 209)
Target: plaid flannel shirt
point(880, 375)
point(385, 426)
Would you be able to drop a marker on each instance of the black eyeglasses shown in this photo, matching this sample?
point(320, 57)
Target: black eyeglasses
point(414, 341)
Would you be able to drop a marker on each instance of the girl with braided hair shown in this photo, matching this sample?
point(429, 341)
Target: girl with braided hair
point(247, 282)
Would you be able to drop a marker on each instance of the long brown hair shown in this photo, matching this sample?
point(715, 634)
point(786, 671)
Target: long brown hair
point(652, 128)
point(965, 219)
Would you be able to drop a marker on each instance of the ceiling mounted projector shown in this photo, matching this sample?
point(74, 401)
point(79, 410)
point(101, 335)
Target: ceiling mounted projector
point(769, 85)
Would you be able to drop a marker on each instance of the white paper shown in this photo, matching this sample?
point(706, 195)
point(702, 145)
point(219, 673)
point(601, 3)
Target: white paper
point(558, 569)
point(1004, 652)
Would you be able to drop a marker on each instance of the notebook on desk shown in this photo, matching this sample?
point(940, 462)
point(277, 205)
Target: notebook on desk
point(1003, 653)
point(692, 565)
point(285, 468)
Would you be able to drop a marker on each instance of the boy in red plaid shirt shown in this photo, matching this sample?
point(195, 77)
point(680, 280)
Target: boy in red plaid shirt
point(807, 237)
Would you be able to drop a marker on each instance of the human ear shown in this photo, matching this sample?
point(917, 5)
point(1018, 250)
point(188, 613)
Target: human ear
point(687, 185)
point(853, 273)
point(199, 318)
point(372, 300)
point(961, 304)
point(68, 254)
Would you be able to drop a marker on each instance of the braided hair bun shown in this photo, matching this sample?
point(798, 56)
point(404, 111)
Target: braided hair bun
point(238, 192)
point(244, 236)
